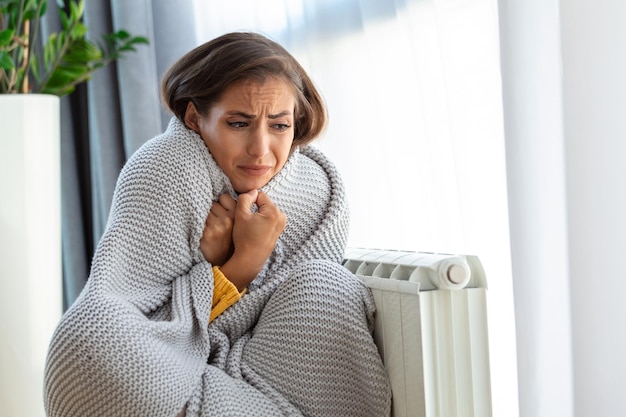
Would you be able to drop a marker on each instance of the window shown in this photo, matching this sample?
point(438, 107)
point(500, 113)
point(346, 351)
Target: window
point(413, 90)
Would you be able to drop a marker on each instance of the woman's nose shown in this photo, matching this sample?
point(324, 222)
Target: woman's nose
point(259, 142)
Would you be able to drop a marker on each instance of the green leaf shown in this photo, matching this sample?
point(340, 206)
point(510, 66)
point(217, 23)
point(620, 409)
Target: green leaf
point(60, 42)
point(50, 50)
point(34, 67)
point(83, 51)
point(140, 39)
point(66, 75)
point(81, 7)
point(65, 21)
point(65, 90)
point(58, 90)
point(44, 8)
point(8, 3)
point(12, 14)
point(6, 36)
point(29, 14)
point(6, 62)
point(19, 52)
point(19, 76)
point(77, 10)
point(79, 31)
point(72, 71)
point(121, 34)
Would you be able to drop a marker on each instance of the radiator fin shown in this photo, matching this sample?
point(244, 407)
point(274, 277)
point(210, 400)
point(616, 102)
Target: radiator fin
point(432, 335)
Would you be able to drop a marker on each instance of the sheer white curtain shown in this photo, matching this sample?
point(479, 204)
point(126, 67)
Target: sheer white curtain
point(531, 72)
point(563, 66)
point(413, 89)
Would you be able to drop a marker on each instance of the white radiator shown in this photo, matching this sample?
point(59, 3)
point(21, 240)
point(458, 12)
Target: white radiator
point(431, 330)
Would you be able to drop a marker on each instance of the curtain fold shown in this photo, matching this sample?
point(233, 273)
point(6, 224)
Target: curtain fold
point(530, 46)
point(106, 120)
point(76, 202)
point(564, 96)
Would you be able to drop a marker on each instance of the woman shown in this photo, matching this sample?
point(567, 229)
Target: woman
point(245, 311)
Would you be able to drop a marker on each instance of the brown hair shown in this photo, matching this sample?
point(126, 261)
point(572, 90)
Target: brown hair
point(202, 75)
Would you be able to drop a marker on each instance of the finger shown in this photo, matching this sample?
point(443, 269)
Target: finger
point(211, 219)
point(268, 208)
point(228, 202)
point(246, 200)
point(264, 202)
point(217, 225)
point(217, 209)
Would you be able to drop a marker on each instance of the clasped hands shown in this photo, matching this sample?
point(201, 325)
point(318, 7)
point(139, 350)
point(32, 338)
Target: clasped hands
point(239, 240)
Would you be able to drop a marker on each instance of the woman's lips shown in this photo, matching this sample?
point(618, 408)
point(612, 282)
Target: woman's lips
point(255, 170)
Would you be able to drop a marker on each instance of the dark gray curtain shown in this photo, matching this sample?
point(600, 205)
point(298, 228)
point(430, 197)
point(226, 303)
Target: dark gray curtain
point(107, 119)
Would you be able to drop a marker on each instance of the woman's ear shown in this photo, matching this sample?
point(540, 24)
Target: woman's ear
point(191, 117)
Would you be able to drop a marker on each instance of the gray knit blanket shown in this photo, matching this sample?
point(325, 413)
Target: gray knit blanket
point(137, 341)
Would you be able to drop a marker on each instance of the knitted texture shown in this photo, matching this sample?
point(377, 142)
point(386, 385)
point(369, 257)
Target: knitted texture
point(137, 341)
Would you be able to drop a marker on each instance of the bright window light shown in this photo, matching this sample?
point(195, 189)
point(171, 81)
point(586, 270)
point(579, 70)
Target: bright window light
point(414, 96)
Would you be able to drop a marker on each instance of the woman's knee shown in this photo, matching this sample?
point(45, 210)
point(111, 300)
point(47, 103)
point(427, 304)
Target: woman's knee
point(325, 287)
point(322, 276)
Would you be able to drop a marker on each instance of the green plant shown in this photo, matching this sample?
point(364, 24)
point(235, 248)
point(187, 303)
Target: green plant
point(66, 59)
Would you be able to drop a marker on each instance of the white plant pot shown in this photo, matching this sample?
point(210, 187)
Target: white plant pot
point(30, 247)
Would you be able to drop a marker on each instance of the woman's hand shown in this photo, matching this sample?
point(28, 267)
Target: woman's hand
point(254, 237)
point(216, 243)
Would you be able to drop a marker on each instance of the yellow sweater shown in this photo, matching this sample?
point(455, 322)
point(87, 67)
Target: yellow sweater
point(225, 293)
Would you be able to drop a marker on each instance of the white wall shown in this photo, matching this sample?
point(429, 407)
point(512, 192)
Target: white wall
point(594, 98)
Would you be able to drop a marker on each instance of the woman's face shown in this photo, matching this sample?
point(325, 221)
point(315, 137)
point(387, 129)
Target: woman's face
point(249, 131)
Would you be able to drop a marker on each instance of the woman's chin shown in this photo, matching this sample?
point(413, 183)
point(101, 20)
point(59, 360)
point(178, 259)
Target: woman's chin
point(242, 188)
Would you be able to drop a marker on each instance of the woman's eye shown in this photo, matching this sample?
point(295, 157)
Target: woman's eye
point(281, 127)
point(237, 124)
